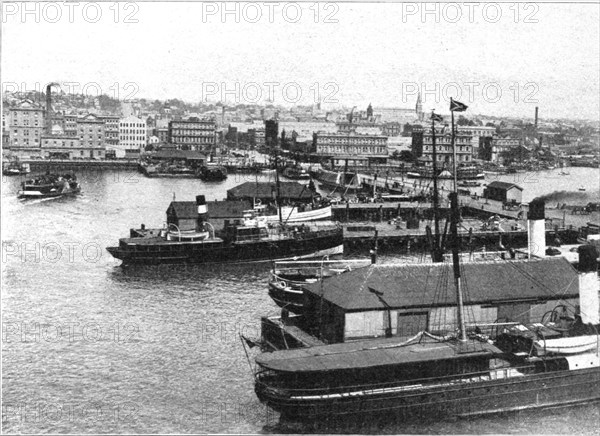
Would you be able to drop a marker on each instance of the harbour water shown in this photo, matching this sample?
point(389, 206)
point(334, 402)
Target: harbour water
point(91, 347)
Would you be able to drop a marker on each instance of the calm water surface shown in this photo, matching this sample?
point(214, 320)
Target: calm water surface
point(91, 347)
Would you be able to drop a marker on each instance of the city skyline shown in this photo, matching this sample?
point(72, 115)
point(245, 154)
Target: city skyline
point(383, 54)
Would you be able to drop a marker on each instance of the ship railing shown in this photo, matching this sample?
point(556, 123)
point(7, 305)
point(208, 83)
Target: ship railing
point(268, 380)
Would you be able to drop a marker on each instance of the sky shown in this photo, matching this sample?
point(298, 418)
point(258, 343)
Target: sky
point(499, 59)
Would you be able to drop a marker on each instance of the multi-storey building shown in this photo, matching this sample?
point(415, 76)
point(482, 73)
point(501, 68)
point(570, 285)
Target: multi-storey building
point(193, 134)
point(477, 133)
point(354, 148)
point(501, 145)
point(5, 136)
point(58, 145)
point(90, 129)
point(444, 151)
point(25, 124)
point(111, 130)
point(132, 134)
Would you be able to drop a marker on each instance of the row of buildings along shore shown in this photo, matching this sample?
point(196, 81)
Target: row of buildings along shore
point(356, 138)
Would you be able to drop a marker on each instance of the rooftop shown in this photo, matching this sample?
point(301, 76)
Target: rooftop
point(504, 185)
point(418, 285)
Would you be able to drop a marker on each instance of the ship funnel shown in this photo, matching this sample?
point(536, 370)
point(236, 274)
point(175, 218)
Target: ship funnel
point(588, 285)
point(201, 203)
point(536, 229)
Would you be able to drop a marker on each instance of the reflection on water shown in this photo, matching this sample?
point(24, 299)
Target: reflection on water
point(92, 347)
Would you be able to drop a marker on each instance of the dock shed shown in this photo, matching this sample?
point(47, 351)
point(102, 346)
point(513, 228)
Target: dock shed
point(407, 298)
point(504, 192)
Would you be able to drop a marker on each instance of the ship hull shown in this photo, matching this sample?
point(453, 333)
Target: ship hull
point(261, 251)
point(544, 390)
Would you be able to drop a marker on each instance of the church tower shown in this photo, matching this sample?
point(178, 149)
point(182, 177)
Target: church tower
point(369, 112)
point(419, 108)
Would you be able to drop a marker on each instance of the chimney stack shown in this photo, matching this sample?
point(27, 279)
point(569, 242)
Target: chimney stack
point(536, 229)
point(49, 108)
point(536, 117)
point(588, 285)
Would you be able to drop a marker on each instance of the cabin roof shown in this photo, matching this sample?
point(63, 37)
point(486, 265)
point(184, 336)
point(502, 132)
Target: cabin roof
point(432, 284)
point(504, 185)
point(368, 354)
point(288, 190)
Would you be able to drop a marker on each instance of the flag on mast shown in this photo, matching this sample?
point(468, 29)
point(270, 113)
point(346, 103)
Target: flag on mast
point(436, 117)
point(457, 106)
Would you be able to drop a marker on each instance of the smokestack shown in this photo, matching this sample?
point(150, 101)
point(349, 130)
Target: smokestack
point(49, 108)
point(536, 117)
point(536, 229)
point(201, 203)
point(588, 285)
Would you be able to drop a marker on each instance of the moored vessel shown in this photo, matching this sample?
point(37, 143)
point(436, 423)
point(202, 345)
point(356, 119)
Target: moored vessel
point(248, 239)
point(438, 340)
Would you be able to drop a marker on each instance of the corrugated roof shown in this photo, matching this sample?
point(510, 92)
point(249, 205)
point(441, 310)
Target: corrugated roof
point(423, 285)
point(366, 354)
point(288, 190)
point(503, 185)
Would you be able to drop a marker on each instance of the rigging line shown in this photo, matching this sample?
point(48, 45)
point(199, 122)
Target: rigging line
point(561, 295)
point(542, 285)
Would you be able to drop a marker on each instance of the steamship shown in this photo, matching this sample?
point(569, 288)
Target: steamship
point(389, 339)
point(248, 239)
point(438, 339)
point(49, 185)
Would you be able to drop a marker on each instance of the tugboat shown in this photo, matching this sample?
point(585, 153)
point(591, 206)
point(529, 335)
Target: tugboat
point(49, 185)
point(393, 340)
point(249, 239)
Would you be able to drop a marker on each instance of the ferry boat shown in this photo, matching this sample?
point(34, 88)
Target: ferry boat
point(49, 185)
point(249, 239)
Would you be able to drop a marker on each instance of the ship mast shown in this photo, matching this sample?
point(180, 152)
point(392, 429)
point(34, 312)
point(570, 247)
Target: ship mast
point(436, 251)
point(454, 219)
point(277, 187)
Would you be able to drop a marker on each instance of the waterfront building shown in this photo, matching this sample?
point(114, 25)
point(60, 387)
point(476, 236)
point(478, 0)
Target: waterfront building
point(25, 125)
point(58, 145)
point(111, 130)
point(91, 136)
point(192, 134)
point(443, 148)
point(353, 148)
point(132, 134)
point(499, 146)
point(478, 133)
point(504, 191)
